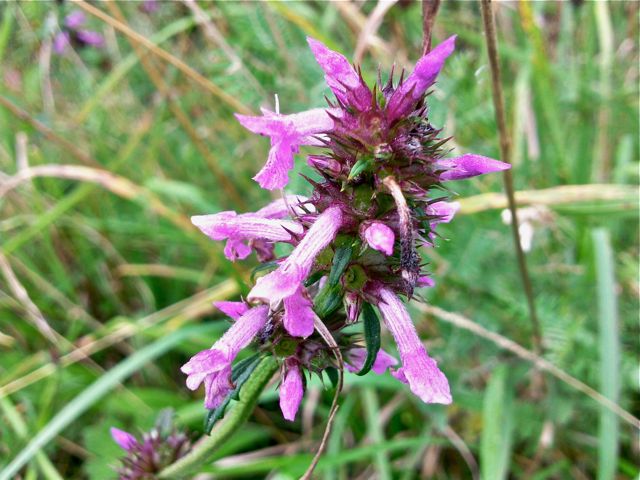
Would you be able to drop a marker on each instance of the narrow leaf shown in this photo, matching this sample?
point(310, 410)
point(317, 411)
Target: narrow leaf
point(359, 167)
point(341, 259)
point(371, 336)
point(609, 346)
point(497, 427)
point(328, 300)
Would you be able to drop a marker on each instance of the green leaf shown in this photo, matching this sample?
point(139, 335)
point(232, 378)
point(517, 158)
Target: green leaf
point(328, 300)
point(497, 427)
point(371, 336)
point(341, 259)
point(359, 167)
point(264, 267)
point(609, 346)
point(332, 373)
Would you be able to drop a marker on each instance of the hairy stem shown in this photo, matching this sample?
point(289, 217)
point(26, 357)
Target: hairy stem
point(234, 420)
point(505, 153)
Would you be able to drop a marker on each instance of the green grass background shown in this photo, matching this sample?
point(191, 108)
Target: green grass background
point(113, 267)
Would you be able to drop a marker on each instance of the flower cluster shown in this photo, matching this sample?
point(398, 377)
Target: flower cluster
point(378, 196)
point(158, 448)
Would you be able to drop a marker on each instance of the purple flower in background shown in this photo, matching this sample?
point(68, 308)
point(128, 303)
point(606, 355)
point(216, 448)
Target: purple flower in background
point(73, 34)
point(158, 448)
point(61, 42)
point(376, 197)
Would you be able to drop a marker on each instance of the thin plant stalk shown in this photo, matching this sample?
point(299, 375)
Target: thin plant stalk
point(429, 11)
point(505, 153)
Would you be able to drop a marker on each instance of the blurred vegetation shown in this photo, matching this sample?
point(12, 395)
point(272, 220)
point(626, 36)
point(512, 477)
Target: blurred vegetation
point(96, 265)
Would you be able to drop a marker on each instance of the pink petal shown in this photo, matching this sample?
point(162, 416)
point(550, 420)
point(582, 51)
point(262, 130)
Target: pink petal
point(469, 165)
point(379, 237)
point(340, 76)
point(217, 387)
point(419, 370)
point(232, 309)
point(125, 440)
point(236, 249)
point(404, 99)
point(225, 225)
point(291, 390)
point(298, 314)
point(444, 210)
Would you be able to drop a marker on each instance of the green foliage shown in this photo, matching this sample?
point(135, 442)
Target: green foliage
point(116, 271)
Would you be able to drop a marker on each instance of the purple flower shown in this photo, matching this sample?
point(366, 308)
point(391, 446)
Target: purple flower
point(288, 278)
point(341, 77)
point(358, 355)
point(237, 229)
point(379, 237)
point(469, 165)
point(405, 97)
point(124, 439)
point(291, 389)
point(288, 133)
point(213, 366)
point(419, 370)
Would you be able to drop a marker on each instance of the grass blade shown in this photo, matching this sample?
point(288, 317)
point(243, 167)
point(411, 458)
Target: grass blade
point(497, 421)
point(609, 346)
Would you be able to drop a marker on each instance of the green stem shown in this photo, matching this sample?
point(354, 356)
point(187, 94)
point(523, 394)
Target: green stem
point(232, 421)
